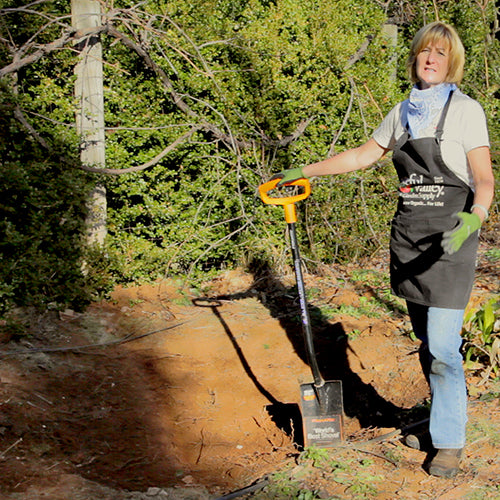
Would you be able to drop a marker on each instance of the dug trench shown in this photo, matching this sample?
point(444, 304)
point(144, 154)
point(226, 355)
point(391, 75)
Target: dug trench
point(166, 390)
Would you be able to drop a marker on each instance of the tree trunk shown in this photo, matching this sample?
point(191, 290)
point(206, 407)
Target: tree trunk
point(90, 114)
point(390, 31)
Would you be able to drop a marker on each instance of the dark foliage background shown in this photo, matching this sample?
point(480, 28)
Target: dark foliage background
point(263, 86)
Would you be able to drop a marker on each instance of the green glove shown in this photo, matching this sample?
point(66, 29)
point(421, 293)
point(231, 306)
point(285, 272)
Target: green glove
point(454, 239)
point(288, 176)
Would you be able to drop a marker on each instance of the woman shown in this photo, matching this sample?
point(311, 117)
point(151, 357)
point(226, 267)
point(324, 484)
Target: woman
point(440, 145)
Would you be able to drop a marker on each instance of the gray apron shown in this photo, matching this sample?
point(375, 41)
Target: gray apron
point(429, 194)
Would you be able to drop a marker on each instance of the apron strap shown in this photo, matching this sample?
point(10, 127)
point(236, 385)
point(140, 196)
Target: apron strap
point(440, 125)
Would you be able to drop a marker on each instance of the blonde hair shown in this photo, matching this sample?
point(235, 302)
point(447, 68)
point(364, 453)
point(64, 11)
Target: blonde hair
point(430, 34)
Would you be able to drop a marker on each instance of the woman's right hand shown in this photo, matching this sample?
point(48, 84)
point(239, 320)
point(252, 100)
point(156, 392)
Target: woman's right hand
point(288, 176)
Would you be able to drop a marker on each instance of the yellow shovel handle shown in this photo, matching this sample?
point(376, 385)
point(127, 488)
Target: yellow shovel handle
point(270, 185)
point(288, 202)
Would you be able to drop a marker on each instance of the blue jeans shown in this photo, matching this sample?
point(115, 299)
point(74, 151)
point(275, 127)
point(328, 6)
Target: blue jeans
point(439, 330)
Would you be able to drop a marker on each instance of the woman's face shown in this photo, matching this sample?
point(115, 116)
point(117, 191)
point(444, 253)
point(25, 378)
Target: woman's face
point(432, 64)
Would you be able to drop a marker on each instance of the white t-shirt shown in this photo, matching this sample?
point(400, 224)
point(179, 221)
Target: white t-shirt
point(465, 128)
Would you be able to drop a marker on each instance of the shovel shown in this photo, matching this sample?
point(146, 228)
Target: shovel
point(321, 401)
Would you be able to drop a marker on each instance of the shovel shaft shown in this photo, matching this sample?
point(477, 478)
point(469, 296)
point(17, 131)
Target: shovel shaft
point(306, 321)
point(288, 203)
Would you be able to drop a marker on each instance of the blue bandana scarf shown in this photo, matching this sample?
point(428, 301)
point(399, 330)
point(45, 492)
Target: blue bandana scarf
point(424, 105)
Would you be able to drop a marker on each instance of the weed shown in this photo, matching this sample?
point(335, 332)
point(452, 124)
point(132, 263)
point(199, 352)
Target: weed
point(360, 485)
point(312, 293)
point(367, 307)
point(378, 283)
point(485, 492)
point(183, 300)
point(493, 394)
point(490, 396)
point(380, 301)
point(354, 334)
point(362, 489)
point(412, 336)
point(317, 456)
point(392, 456)
point(366, 462)
point(283, 487)
point(135, 302)
point(493, 255)
point(483, 428)
point(376, 302)
point(482, 340)
point(337, 465)
point(307, 495)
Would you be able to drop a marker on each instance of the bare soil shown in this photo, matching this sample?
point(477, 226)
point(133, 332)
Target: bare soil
point(162, 392)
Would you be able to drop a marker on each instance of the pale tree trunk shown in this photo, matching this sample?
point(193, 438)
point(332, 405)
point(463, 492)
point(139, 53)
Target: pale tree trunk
point(390, 31)
point(90, 115)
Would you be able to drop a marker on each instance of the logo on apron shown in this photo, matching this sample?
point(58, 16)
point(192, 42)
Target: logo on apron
point(414, 192)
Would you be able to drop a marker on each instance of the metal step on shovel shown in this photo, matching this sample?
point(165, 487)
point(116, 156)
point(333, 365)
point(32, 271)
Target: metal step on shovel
point(321, 401)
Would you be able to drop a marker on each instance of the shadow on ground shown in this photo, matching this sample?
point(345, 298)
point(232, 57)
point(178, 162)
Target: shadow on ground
point(360, 400)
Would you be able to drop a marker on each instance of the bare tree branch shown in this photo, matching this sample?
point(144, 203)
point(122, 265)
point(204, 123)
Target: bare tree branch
point(27, 125)
point(360, 52)
point(185, 108)
point(44, 50)
point(109, 171)
point(71, 36)
point(331, 151)
point(19, 115)
point(150, 163)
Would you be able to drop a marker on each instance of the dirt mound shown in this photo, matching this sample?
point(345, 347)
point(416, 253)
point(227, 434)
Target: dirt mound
point(162, 393)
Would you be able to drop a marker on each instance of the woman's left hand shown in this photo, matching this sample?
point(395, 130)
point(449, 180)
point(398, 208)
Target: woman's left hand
point(454, 239)
point(288, 176)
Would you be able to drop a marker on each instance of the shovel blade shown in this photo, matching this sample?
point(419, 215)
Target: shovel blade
point(322, 414)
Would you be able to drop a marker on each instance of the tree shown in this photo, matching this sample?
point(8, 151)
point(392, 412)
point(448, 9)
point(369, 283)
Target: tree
point(86, 15)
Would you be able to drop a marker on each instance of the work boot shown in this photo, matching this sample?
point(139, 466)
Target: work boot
point(446, 462)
